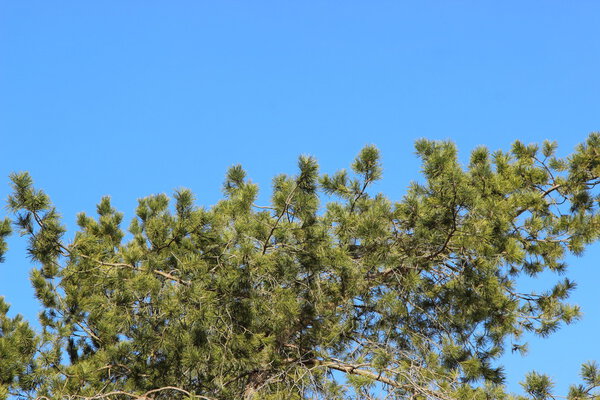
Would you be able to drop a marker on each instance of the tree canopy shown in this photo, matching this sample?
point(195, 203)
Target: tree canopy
point(330, 291)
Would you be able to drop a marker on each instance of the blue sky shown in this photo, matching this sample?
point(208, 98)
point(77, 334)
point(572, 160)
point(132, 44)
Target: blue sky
point(130, 98)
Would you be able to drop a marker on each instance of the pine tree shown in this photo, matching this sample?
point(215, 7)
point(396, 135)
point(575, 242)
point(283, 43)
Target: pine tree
point(330, 291)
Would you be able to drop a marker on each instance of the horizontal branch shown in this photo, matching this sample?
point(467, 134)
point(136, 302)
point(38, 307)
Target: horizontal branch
point(355, 370)
point(124, 265)
point(144, 396)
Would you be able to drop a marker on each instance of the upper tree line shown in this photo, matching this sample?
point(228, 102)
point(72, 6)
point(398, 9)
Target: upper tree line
point(330, 291)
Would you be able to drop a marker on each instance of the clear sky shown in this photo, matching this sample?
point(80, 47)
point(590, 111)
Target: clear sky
point(130, 98)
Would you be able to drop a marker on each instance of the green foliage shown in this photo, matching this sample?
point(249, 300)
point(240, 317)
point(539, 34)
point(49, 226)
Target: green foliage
point(353, 298)
point(17, 349)
point(5, 230)
point(538, 386)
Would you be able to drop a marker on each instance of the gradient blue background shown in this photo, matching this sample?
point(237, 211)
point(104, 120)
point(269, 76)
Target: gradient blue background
point(130, 98)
